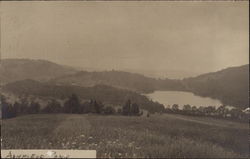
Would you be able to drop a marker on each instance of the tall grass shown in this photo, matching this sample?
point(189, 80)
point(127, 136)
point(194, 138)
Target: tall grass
point(119, 136)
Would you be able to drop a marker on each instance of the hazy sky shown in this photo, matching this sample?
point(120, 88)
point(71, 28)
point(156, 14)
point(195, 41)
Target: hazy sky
point(166, 39)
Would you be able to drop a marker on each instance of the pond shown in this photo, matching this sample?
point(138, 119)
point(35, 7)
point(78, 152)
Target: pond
point(168, 98)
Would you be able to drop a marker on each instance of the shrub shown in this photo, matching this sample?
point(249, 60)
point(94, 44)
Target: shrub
point(109, 110)
point(53, 107)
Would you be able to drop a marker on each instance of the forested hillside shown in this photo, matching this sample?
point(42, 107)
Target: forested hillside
point(120, 79)
point(230, 85)
point(103, 93)
point(41, 70)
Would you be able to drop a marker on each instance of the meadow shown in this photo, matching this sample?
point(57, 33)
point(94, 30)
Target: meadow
point(160, 135)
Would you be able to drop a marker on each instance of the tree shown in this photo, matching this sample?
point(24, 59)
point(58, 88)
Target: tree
point(236, 113)
point(53, 107)
point(168, 110)
point(130, 109)
point(175, 107)
point(7, 109)
point(24, 106)
point(135, 109)
point(222, 111)
point(82, 108)
point(141, 113)
point(72, 105)
point(11, 111)
point(119, 111)
point(210, 110)
point(34, 108)
point(201, 110)
point(17, 108)
point(126, 109)
point(194, 110)
point(109, 110)
point(97, 107)
point(86, 107)
point(187, 108)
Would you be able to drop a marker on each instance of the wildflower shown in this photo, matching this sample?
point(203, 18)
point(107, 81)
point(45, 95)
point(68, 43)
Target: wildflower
point(137, 147)
point(130, 144)
point(82, 135)
point(109, 142)
point(50, 153)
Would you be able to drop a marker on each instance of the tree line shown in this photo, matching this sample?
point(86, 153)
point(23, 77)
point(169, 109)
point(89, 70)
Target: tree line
point(72, 106)
point(220, 112)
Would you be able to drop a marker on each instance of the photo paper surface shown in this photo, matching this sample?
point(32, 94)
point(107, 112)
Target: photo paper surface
point(124, 79)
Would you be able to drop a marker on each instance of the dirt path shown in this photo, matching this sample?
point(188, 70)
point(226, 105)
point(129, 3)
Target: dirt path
point(73, 122)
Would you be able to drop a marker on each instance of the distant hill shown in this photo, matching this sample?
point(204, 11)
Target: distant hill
point(104, 93)
point(230, 85)
point(41, 70)
point(119, 79)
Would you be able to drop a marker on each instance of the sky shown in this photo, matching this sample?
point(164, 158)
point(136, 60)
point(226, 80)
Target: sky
point(161, 39)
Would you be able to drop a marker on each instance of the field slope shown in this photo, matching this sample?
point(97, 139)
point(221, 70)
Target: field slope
point(119, 136)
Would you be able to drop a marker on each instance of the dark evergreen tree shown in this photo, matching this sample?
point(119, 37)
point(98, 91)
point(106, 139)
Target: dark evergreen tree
point(86, 107)
point(24, 106)
point(17, 108)
point(135, 109)
point(7, 109)
point(53, 107)
point(126, 109)
point(72, 105)
point(98, 107)
point(92, 105)
point(109, 110)
point(119, 111)
point(34, 108)
point(82, 108)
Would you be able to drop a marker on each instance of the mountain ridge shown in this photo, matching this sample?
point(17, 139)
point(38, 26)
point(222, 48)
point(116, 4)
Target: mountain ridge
point(229, 85)
point(18, 69)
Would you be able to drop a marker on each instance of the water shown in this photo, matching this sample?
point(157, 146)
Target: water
point(168, 98)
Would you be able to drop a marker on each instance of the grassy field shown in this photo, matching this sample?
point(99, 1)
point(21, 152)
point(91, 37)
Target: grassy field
point(163, 135)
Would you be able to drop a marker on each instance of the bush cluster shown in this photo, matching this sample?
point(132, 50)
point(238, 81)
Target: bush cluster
point(72, 106)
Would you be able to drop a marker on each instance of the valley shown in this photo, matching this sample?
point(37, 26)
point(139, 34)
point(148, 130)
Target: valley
point(230, 86)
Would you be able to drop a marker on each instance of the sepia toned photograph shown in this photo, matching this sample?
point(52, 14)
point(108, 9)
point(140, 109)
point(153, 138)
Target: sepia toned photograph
point(124, 79)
